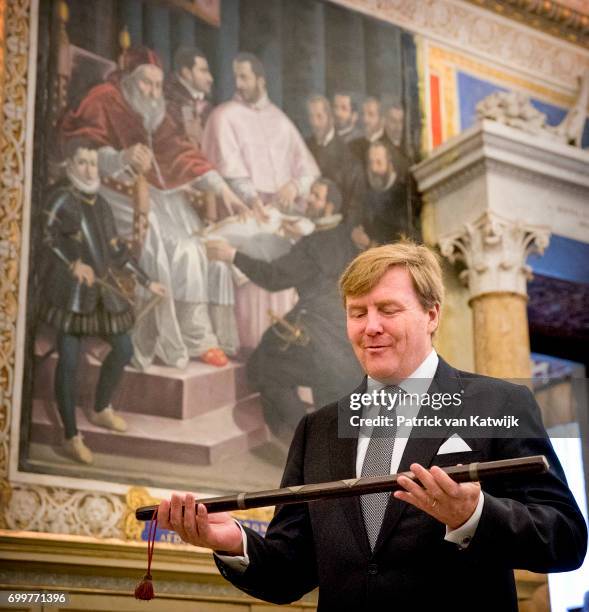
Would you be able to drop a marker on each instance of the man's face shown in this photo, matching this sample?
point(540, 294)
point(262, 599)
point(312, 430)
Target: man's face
point(371, 118)
point(379, 163)
point(343, 115)
point(389, 329)
point(247, 84)
point(84, 165)
point(394, 124)
point(149, 82)
point(319, 119)
point(317, 201)
point(199, 76)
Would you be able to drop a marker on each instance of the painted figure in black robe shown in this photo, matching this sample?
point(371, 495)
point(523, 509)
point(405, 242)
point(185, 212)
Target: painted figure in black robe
point(386, 213)
point(346, 115)
point(313, 266)
point(335, 159)
point(187, 92)
point(373, 124)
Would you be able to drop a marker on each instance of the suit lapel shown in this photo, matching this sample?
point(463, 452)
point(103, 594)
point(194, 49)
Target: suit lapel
point(342, 459)
point(419, 449)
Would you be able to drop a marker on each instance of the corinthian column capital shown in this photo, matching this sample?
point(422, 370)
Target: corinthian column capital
point(494, 251)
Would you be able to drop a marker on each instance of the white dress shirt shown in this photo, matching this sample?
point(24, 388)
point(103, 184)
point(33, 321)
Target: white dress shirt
point(416, 383)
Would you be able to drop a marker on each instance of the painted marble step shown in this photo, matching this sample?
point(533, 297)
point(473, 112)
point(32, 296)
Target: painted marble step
point(158, 391)
point(201, 440)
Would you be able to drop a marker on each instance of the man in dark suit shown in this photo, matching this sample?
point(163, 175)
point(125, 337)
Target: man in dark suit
point(443, 544)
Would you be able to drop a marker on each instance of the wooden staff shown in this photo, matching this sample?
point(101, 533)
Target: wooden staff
point(472, 472)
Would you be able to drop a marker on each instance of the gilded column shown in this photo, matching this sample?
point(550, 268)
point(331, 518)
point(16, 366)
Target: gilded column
point(494, 252)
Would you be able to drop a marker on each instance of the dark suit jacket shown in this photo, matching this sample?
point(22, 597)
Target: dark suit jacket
point(530, 523)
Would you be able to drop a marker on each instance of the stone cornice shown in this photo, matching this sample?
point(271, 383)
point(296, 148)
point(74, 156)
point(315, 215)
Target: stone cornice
point(497, 146)
point(480, 33)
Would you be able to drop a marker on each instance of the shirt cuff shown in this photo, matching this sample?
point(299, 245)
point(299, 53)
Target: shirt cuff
point(304, 184)
point(111, 163)
point(238, 563)
point(244, 188)
point(210, 181)
point(463, 535)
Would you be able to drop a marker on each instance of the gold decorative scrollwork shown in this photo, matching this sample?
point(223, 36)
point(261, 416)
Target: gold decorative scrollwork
point(14, 25)
point(263, 515)
point(130, 527)
point(5, 494)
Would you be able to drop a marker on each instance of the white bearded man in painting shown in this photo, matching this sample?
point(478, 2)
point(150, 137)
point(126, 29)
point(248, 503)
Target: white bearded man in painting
point(126, 118)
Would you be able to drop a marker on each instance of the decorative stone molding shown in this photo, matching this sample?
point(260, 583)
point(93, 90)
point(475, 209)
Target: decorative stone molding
point(494, 251)
point(551, 16)
point(58, 510)
point(479, 32)
point(499, 169)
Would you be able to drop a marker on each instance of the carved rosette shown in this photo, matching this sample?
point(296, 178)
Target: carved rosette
point(494, 251)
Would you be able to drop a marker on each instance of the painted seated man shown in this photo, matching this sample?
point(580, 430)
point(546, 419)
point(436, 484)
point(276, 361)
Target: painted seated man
point(81, 292)
point(128, 119)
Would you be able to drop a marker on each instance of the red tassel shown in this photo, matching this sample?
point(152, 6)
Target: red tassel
point(144, 589)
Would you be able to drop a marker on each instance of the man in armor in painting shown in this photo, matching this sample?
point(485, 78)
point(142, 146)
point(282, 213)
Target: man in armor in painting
point(82, 294)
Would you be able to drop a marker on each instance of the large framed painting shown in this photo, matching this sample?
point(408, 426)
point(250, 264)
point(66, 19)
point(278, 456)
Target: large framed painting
point(198, 176)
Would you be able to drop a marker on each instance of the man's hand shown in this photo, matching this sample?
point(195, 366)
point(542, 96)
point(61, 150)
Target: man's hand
point(292, 229)
point(215, 531)
point(139, 156)
point(259, 211)
point(286, 195)
point(220, 250)
point(83, 273)
point(158, 289)
point(233, 204)
point(447, 501)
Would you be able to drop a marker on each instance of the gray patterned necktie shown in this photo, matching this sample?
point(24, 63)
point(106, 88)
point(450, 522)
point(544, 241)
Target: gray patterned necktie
point(378, 463)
